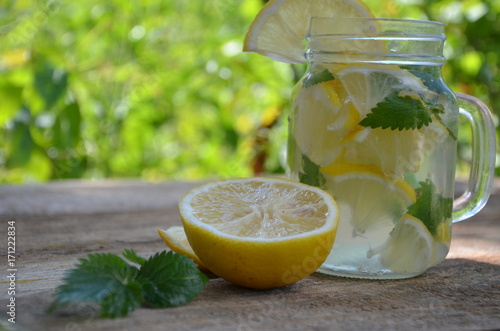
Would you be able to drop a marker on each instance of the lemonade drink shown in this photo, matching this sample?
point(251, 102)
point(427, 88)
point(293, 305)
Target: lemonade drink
point(373, 124)
point(378, 133)
point(378, 176)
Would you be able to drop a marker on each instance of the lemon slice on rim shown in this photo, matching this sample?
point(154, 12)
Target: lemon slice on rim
point(177, 241)
point(366, 195)
point(281, 26)
point(409, 249)
point(260, 232)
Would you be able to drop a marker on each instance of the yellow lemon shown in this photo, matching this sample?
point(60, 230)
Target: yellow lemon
point(259, 232)
point(444, 232)
point(367, 85)
point(281, 26)
point(409, 249)
point(368, 199)
point(393, 151)
point(320, 121)
point(177, 241)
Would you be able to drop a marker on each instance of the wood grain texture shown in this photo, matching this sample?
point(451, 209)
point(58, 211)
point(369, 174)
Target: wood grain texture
point(58, 223)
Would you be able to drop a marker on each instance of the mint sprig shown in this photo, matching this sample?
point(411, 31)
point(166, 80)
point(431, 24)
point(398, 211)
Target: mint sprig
point(170, 280)
point(132, 256)
point(431, 207)
point(320, 77)
point(401, 112)
point(311, 173)
point(429, 78)
point(166, 279)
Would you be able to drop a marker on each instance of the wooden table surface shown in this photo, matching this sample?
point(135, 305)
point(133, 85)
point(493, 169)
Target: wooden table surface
point(58, 223)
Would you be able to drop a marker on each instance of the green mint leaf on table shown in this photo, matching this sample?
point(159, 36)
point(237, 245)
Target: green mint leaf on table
point(311, 173)
point(321, 77)
point(399, 112)
point(171, 280)
point(104, 279)
point(132, 256)
point(118, 287)
point(431, 207)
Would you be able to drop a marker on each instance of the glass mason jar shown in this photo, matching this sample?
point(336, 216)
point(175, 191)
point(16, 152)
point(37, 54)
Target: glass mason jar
point(373, 123)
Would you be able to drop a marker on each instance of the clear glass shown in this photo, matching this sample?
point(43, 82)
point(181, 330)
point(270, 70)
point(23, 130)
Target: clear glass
point(373, 123)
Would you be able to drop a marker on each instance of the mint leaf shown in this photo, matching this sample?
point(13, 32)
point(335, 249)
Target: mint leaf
point(321, 77)
point(398, 112)
point(431, 207)
point(122, 301)
point(429, 78)
point(171, 279)
point(164, 280)
point(104, 279)
point(311, 173)
point(132, 256)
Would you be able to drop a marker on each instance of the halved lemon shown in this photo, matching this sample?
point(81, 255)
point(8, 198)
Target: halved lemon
point(368, 199)
point(260, 232)
point(177, 241)
point(280, 28)
point(409, 249)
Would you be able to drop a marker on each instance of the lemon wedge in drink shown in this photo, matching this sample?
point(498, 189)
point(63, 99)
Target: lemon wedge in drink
point(367, 86)
point(443, 232)
point(279, 29)
point(396, 151)
point(409, 249)
point(321, 120)
point(260, 232)
point(367, 198)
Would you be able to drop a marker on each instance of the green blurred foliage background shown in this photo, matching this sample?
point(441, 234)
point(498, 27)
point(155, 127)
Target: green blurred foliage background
point(161, 90)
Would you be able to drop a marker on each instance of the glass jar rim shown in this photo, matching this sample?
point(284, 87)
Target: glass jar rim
point(407, 20)
point(319, 26)
point(375, 40)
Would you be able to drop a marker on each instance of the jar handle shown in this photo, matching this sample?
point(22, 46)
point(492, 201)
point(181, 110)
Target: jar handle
point(483, 158)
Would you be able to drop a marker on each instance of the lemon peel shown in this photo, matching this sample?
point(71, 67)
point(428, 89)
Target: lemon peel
point(279, 29)
point(177, 241)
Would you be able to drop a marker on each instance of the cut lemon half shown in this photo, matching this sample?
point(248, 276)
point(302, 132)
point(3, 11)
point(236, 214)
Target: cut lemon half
point(177, 241)
point(280, 28)
point(260, 232)
point(368, 199)
point(409, 249)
